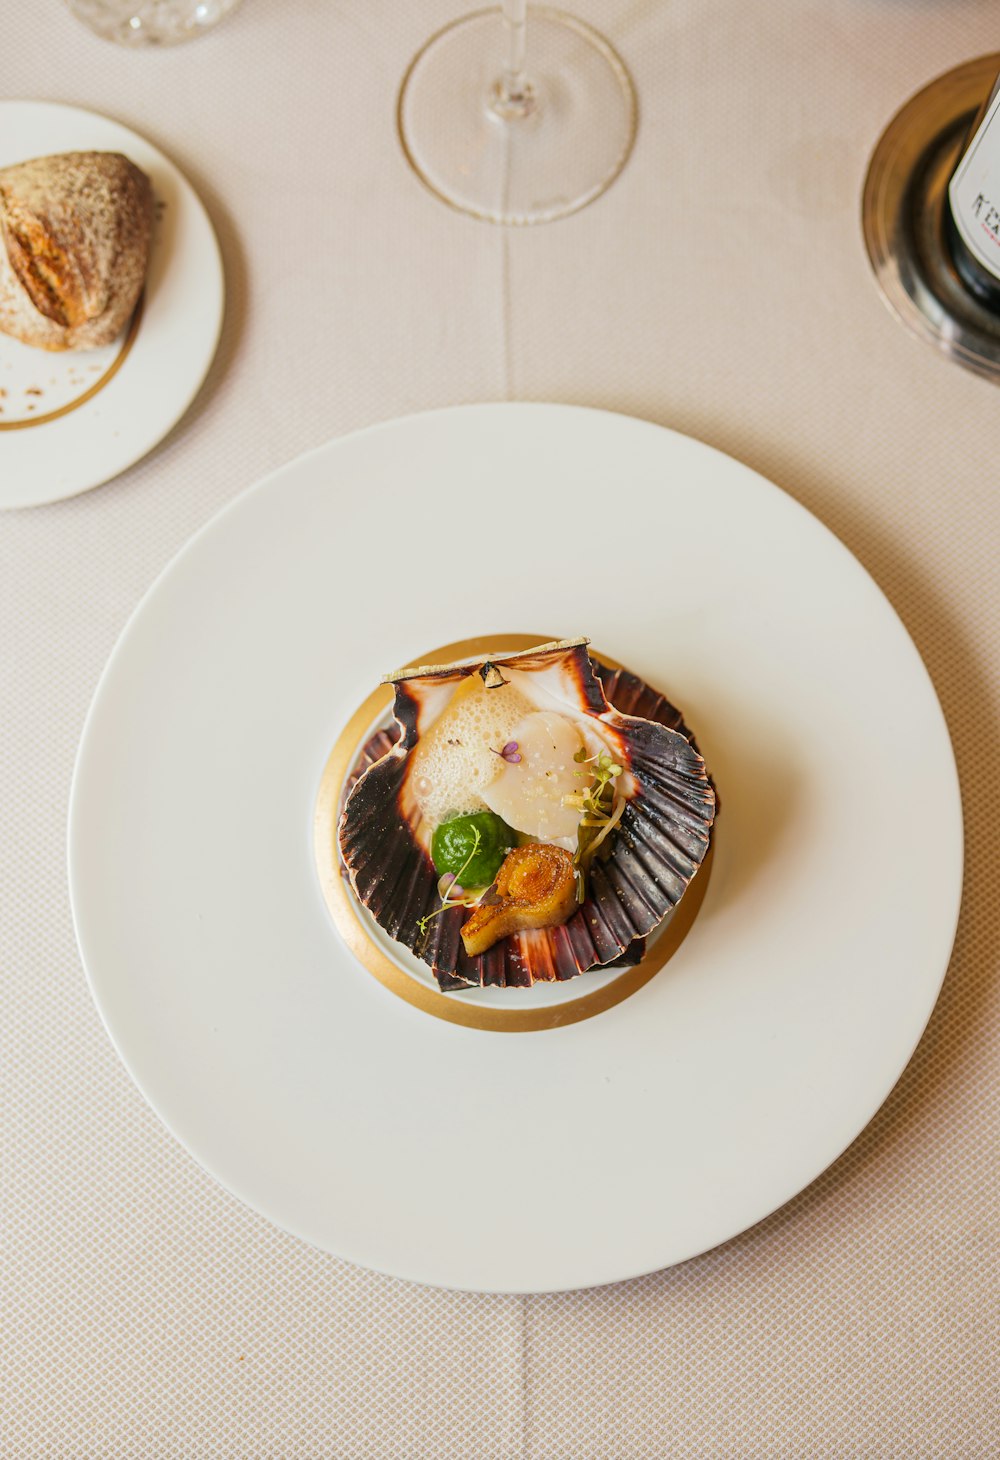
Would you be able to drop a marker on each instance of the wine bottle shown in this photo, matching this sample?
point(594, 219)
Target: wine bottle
point(972, 209)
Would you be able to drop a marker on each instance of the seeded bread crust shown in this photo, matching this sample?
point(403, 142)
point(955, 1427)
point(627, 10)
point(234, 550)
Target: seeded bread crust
point(75, 232)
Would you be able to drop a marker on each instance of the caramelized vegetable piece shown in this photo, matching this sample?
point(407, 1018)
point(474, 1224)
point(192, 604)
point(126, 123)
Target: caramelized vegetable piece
point(537, 889)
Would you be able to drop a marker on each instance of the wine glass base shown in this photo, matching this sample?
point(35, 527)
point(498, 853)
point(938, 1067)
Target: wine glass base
point(903, 211)
point(136, 23)
point(568, 147)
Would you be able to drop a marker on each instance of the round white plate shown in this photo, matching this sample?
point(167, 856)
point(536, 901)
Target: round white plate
point(508, 1161)
point(74, 419)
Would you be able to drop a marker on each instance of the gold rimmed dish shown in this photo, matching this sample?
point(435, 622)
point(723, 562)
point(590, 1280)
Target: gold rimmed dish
point(545, 1006)
point(70, 420)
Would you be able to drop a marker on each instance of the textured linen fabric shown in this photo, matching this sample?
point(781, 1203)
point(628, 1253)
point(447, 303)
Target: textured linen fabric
point(721, 288)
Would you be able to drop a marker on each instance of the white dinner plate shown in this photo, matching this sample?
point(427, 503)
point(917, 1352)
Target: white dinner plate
point(468, 1157)
point(73, 419)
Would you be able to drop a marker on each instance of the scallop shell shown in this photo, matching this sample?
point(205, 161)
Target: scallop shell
point(658, 846)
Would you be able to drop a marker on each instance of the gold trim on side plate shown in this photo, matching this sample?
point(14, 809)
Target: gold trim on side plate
point(346, 915)
point(99, 384)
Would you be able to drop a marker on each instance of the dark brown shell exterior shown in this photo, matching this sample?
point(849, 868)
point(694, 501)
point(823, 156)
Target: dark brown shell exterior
point(658, 846)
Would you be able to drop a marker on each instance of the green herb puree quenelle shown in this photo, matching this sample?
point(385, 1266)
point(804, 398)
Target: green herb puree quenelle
point(472, 847)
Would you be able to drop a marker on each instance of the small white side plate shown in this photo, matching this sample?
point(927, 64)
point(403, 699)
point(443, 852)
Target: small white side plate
point(74, 419)
point(550, 1159)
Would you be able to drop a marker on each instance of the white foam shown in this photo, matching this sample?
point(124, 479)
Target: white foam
point(457, 759)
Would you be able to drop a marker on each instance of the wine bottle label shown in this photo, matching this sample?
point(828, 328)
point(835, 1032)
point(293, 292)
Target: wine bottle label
point(974, 191)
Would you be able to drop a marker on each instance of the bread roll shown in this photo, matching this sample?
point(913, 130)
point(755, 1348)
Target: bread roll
point(74, 245)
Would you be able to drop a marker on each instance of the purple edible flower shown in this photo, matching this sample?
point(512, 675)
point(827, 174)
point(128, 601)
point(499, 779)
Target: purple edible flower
point(510, 753)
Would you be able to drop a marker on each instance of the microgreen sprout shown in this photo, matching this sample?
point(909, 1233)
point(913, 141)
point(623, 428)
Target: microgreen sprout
point(599, 806)
point(595, 800)
point(454, 894)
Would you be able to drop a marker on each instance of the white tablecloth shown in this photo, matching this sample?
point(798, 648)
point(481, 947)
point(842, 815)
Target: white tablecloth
point(721, 288)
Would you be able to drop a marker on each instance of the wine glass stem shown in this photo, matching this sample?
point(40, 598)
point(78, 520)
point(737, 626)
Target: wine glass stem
point(513, 95)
